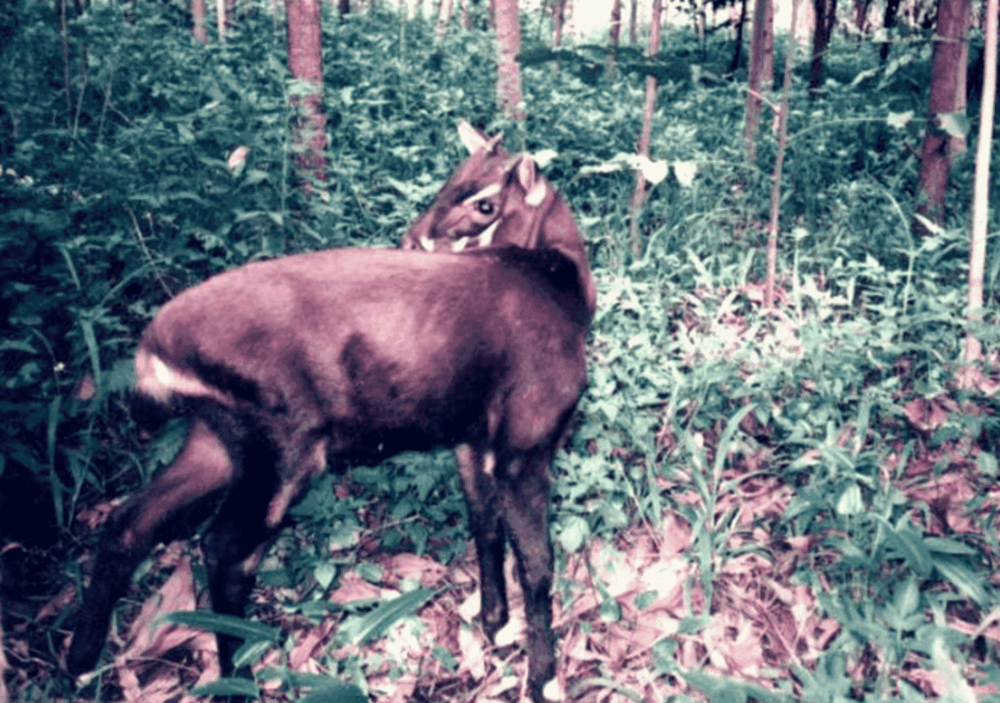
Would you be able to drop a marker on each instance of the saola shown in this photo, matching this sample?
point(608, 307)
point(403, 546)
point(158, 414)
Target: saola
point(359, 354)
point(481, 206)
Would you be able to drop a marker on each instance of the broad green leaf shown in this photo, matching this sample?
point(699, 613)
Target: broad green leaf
point(610, 610)
point(909, 542)
point(987, 463)
point(850, 501)
point(224, 624)
point(369, 572)
point(250, 651)
point(908, 597)
point(963, 578)
point(324, 573)
point(955, 547)
point(954, 124)
point(375, 623)
point(230, 686)
point(335, 692)
point(574, 534)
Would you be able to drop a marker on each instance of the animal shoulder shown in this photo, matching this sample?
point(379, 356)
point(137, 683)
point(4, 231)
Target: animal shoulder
point(551, 265)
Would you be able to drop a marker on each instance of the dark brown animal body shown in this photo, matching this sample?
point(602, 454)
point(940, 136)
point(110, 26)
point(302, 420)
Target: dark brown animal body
point(359, 354)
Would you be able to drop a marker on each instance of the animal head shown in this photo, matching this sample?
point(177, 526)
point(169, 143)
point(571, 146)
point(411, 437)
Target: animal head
point(494, 200)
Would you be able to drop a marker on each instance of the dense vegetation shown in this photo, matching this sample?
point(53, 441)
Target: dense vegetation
point(830, 483)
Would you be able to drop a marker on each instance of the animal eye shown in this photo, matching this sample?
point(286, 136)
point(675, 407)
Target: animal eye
point(485, 207)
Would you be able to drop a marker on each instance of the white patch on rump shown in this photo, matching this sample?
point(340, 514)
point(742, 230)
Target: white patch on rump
point(156, 379)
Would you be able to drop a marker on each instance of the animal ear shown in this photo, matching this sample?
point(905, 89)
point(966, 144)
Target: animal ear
point(535, 188)
point(523, 217)
point(472, 138)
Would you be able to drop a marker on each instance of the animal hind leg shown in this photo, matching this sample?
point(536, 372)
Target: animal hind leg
point(273, 473)
point(166, 509)
point(238, 534)
point(233, 546)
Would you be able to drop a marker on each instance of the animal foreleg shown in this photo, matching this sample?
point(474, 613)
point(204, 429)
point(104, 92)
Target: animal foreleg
point(525, 495)
point(477, 469)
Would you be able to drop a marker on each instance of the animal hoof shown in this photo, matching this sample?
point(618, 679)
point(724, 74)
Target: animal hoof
point(552, 691)
point(509, 633)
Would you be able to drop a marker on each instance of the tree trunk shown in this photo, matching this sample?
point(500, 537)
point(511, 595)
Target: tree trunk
point(508, 71)
point(343, 8)
point(79, 7)
point(444, 17)
point(305, 52)
point(981, 197)
point(700, 19)
point(639, 193)
point(958, 142)
point(558, 7)
point(64, 40)
point(738, 50)
point(220, 18)
point(861, 16)
point(761, 72)
point(772, 230)
point(198, 21)
point(557, 23)
point(8, 26)
point(633, 36)
point(947, 95)
point(466, 18)
point(4, 696)
point(888, 22)
point(614, 35)
point(826, 16)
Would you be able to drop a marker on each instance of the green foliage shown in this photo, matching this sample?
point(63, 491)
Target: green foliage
point(225, 624)
point(374, 623)
point(118, 198)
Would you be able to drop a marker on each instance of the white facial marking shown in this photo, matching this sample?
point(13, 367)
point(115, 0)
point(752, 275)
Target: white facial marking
point(487, 192)
point(459, 244)
point(486, 237)
point(427, 244)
